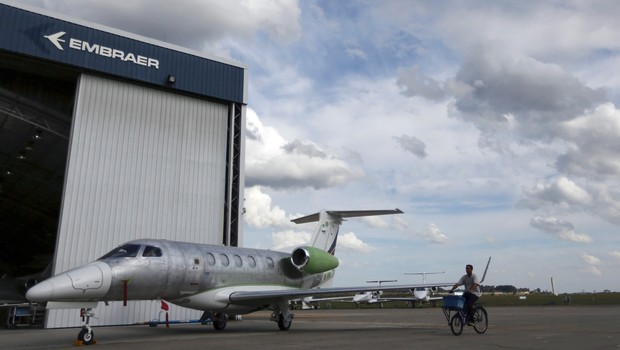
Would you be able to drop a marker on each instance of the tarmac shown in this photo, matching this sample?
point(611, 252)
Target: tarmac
point(540, 327)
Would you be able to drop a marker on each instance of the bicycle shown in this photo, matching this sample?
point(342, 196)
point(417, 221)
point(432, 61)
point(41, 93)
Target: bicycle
point(459, 318)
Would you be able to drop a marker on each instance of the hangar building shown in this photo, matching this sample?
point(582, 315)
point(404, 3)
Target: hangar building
point(106, 137)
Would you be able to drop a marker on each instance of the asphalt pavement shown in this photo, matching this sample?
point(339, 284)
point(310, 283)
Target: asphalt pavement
point(542, 327)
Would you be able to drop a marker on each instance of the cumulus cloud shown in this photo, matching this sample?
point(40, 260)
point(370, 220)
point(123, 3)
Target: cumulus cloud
point(615, 254)
point(562, 229)
point(516, 100)
point(593, 264)
point(273, 161)
point(593, 270)
point(414, 83)
point(260, 213)
point(594, 144)
point(599, 198)
point(412, 144)
point(433, 234)
point(400, 223)
point(563, 192)
point(288, 240)
point(203, 22)
point(375, 222)
point(536, 94)
point(590, 259)
point(350, 241)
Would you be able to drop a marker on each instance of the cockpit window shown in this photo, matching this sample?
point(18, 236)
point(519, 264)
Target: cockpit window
point(125, 251)
point(150, 251)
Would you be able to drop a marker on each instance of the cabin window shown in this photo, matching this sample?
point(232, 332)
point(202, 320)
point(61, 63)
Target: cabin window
point(238, 261)
point(124, 251)
point(270, 263)
point(210, 259)
point(225, 260)
point(252, 261)
point(150, 251)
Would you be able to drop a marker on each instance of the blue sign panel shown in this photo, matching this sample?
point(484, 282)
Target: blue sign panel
point(56, 40)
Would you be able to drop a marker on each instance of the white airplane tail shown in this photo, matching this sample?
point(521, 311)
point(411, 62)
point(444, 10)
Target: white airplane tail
point(326, 233)
point(318, 255)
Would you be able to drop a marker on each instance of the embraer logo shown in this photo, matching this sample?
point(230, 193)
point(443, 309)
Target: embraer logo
point(56, 40)
point(101, 50)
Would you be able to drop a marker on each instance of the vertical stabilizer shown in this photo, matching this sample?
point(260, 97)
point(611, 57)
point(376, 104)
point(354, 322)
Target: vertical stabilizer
point(325, 235)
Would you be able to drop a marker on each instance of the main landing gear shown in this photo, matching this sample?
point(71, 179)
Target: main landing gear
point(86, 335)
point(283, 316)
point(219, 321)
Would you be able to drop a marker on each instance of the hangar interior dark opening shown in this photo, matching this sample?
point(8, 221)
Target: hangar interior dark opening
point(36, 107)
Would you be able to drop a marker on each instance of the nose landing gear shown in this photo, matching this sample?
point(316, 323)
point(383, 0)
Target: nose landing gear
point(86, 335)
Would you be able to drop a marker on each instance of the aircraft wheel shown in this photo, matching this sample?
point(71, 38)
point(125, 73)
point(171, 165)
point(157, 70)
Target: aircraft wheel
point(219, 321)
point(86, 337)
point(284, 323)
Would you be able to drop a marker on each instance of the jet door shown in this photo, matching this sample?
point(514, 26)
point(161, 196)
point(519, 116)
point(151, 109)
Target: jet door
point(193, 272)
point(157, 266)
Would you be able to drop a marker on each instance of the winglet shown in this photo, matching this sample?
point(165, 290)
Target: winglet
point(485, 271)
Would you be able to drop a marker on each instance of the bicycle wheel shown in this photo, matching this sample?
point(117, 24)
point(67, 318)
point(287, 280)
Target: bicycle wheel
point(456, 324)
point(481, 321)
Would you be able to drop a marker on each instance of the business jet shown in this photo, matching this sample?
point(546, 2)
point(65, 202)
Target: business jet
point(220, 280)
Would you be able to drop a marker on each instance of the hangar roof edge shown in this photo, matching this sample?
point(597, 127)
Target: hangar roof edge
point(90, 47)
point(123, 33)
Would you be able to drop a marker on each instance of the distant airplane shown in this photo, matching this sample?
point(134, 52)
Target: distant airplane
point(424, 295)
point(219, 280)
point(365, 297)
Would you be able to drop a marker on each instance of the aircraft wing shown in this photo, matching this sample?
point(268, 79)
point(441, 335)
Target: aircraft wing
point(265, 297)
point(348, 299)
point(410, 299)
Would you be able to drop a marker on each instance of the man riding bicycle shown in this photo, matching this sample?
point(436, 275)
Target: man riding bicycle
point(471, 293)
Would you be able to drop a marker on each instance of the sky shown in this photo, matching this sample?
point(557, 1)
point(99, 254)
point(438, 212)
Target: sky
point(492, 124)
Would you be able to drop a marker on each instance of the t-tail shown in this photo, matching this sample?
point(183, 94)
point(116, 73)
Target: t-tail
point(318, 255)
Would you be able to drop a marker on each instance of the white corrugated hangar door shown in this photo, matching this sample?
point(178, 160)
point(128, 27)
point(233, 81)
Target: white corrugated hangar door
point(143, 163)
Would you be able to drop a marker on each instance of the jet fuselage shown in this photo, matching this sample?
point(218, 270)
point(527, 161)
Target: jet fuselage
point(199, 276)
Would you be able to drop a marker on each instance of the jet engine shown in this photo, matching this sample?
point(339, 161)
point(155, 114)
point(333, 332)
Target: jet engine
point(313, 260)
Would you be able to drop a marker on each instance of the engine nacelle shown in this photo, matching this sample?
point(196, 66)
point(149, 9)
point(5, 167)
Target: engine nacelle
point(313, 260)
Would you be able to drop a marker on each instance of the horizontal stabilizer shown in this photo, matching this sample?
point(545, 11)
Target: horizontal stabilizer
point(346, 214)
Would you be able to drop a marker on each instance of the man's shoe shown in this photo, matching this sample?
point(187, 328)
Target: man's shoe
point(470, 323)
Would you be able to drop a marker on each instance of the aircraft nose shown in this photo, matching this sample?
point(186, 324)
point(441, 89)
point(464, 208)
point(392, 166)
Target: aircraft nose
point(86, 283)
point(44, 291)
